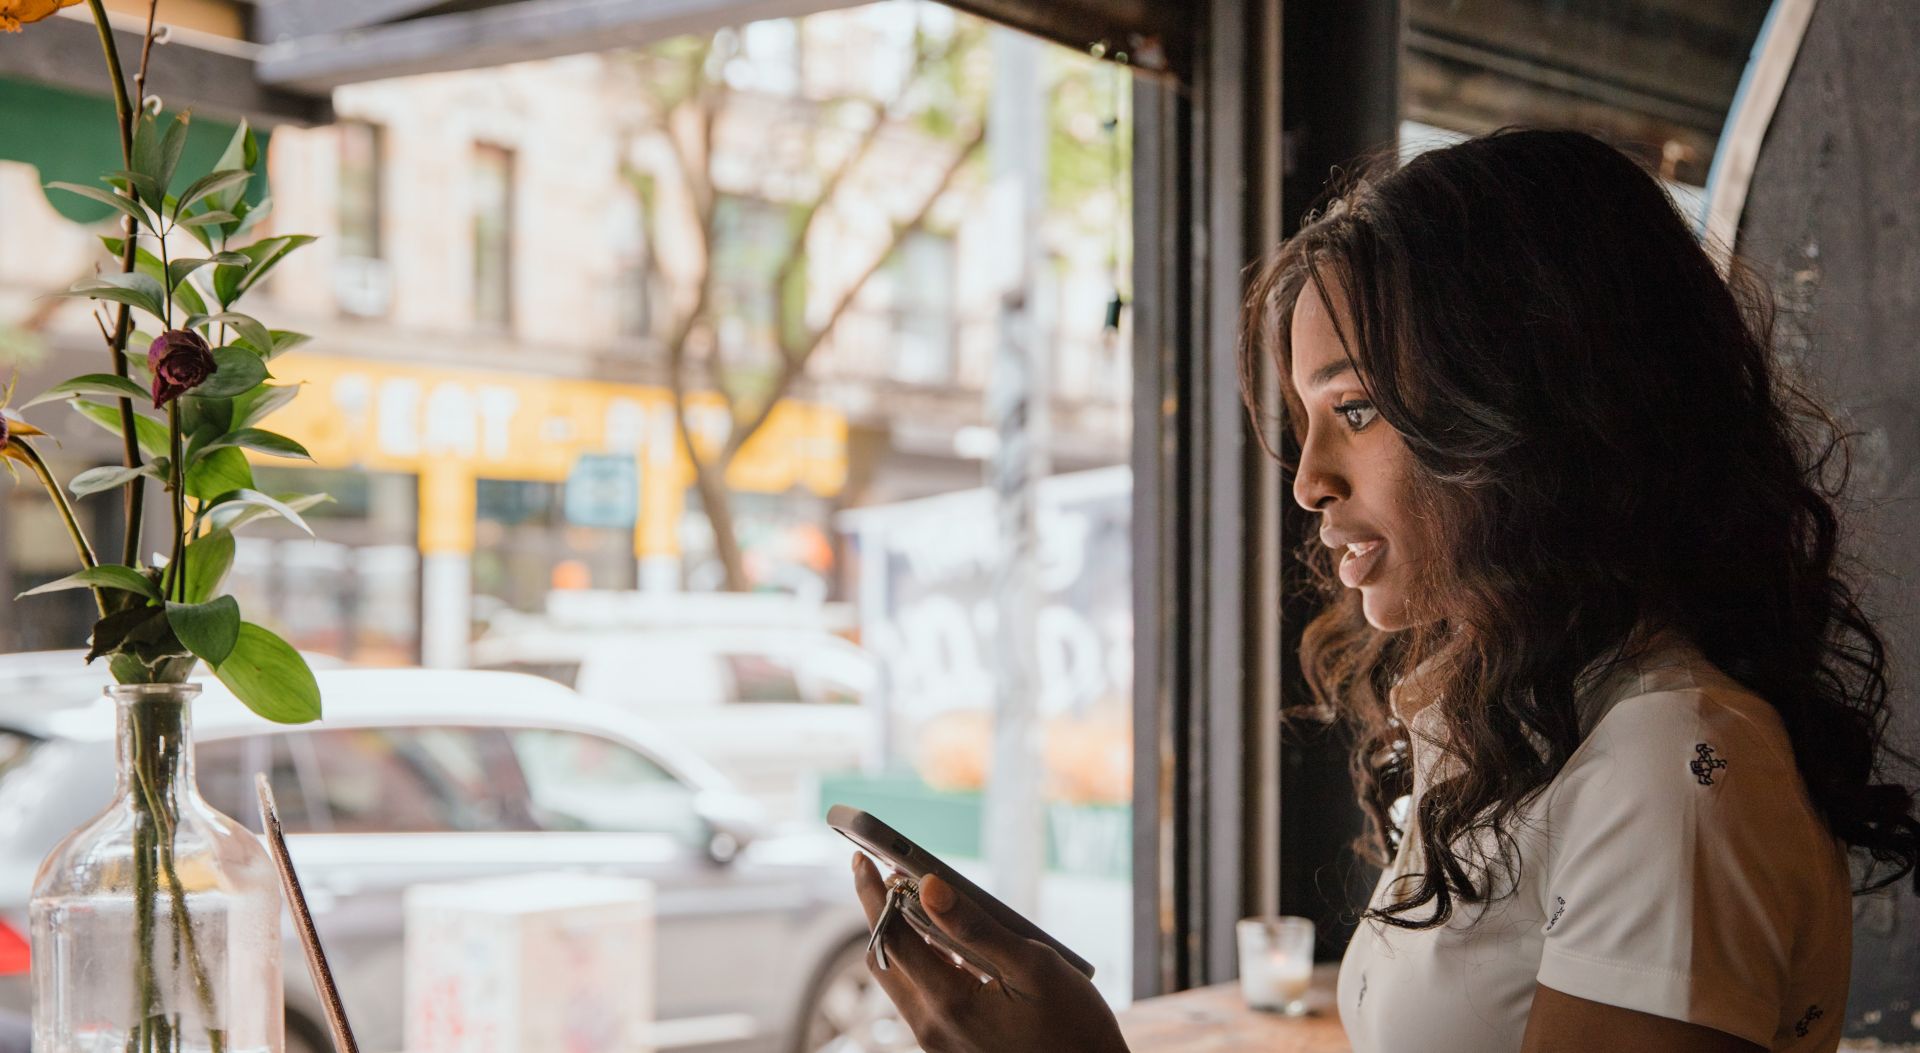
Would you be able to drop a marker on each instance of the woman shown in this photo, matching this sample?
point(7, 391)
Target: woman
point(1587, 613)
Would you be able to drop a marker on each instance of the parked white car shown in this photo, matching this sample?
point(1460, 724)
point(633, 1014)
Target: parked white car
point(772, 707)
point(432, 776)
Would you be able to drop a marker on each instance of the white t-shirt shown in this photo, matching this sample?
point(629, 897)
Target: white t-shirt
point(1675, 866)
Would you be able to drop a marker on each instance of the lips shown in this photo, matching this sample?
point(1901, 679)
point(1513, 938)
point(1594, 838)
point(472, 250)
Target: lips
point(1358, 561)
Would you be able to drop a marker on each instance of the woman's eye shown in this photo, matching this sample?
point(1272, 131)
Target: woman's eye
point(1358, 413)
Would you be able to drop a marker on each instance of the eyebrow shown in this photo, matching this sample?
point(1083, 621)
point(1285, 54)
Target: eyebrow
point(1329, 371)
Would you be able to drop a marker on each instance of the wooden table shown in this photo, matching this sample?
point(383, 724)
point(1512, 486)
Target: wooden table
point(1217, 1020)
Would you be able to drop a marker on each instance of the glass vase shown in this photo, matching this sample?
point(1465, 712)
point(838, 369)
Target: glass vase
point(156, 924)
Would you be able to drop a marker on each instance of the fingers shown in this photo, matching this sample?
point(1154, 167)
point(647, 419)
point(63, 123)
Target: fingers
point(867, 883)
point(915, 970)
point(966, 922)
point(897, 984)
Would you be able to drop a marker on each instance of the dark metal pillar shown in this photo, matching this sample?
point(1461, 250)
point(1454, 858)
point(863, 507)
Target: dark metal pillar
point(1340, 94)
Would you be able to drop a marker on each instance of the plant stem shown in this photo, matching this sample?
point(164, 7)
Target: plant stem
point(146, 992)
point(129, 434)
point(153, 753)
point(123, 328)
point(81, 547)
point(177, 565)
point(122, 108)
point(166, 282)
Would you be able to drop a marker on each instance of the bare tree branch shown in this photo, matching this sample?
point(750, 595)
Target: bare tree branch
point(793, 362)
point(706, 97)
point(883, 114)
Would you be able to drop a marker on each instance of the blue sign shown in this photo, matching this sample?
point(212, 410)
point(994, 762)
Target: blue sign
point(603, 490)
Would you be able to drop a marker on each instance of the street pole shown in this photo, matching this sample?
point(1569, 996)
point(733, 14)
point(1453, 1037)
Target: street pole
point(1017, 407)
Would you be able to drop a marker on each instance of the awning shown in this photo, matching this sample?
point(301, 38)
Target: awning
point(73, 137)
point(56, 113)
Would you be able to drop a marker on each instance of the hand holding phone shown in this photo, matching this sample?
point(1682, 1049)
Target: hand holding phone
point(917, 864)
point(980, 978)
point(1044, 1005)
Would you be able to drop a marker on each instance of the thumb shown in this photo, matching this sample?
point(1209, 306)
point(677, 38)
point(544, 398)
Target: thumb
point(965, 921)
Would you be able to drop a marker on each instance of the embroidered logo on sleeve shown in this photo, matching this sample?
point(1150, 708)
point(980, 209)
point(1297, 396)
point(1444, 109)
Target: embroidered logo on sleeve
point(1802, 1025)
point(1559, 908)
point(1704, 765)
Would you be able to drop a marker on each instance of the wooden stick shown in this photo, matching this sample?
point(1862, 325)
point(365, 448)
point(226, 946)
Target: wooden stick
point(303, 921)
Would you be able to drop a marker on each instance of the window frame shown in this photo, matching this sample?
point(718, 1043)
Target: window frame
point(510, 160)
point(377, 206)
point(1269, 96)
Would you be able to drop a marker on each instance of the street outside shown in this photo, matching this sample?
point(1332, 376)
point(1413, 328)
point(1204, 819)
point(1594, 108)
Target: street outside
point(676, 490)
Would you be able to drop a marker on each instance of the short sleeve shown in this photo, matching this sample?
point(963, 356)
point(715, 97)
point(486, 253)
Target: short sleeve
point(1680, 848)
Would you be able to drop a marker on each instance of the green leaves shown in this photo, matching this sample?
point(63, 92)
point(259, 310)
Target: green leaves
point(220, 472)
point(236, 370)
point(285, 340)
point(230, 282)
point(252, 333)
point(257, 405)
point(95, 480)
point(150, 433)
point(270, 677)
point(204, 421)
point(208, 559)
point(135, 630)
point(208, 219)
point(156, 152)
point(220, 196)
point(105, 385)
point(209, 629)
point(104, 576)
point(243, 153)
point(211, 184)
point(263, 441)
point(234, 510)
point(213, 377)
point(126, 206)
point(172, 277)
point(140, 186)
point(136, 289)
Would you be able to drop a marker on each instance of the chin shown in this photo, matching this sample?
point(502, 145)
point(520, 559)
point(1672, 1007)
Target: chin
point(1384, 610)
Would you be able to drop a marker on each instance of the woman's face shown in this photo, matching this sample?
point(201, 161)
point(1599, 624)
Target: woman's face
point(1354, 470)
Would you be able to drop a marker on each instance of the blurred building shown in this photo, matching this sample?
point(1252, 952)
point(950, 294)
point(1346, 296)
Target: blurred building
point(502, 253)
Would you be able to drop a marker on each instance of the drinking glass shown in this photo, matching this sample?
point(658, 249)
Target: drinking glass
point(1276, 963)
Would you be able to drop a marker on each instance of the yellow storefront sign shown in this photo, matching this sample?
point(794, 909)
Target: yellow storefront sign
point(453, 426)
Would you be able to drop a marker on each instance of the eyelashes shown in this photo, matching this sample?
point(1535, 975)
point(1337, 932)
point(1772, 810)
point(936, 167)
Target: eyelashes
point(1356, 413)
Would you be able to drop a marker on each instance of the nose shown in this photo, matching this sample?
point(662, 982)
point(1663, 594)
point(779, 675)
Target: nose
point(1317, 482)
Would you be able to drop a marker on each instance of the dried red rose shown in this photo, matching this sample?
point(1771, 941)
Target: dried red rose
point(181, 361)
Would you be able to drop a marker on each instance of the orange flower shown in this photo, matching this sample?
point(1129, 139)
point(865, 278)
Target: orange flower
point(17, 13)
point(13, 429)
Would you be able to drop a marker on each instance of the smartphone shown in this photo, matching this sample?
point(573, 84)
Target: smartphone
point(894, 848)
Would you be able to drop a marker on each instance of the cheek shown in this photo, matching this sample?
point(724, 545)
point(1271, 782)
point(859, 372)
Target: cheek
point(1390, 469)
point(1402, 518)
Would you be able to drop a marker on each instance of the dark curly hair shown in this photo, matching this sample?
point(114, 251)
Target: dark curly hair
point(1604, 442)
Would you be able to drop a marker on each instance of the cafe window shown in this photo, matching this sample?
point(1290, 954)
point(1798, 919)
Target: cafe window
point(750, 237)
point(918, 282)
point(493, 186)
point(361, 206)
point(527, 546)
point(634, 275)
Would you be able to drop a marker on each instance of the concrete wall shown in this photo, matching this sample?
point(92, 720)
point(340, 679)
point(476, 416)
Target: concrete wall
point(1832, 219)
